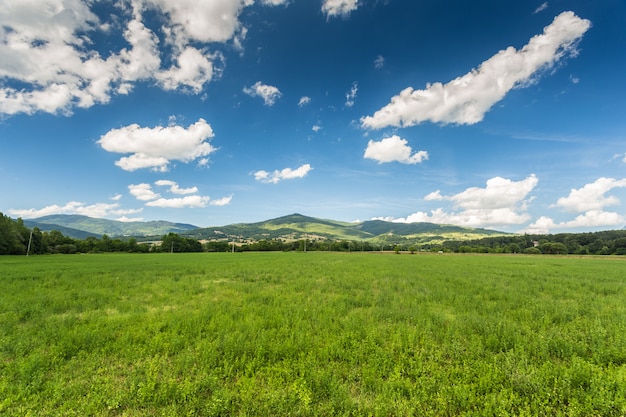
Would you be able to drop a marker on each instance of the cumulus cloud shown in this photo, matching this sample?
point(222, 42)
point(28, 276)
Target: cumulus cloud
point(50, 61)
point(590, 200)
point(268, 93)
point(190, 201)
point(174, 188)
point(592, 218)
point(193, 69)
point(351, 95)
point(591, 196)
point(156, 147)
point(75, 207)
point(466, 99)
point(394, 149)
point(284, 174)
point(304, 101)
point(502, 202)
point(143, 192)
point(334, 8)
point(129, 219)
point(224, 201)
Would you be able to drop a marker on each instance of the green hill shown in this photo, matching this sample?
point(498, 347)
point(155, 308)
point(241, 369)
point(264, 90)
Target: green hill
point(297, 226)
point(99, 227)
point(288, 228)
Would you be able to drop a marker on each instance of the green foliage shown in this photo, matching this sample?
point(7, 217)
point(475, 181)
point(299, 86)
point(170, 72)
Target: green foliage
point(312, 334)
point(174, 243)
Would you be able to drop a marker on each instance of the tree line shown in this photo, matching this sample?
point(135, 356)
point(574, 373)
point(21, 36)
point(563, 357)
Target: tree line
point(17, 239)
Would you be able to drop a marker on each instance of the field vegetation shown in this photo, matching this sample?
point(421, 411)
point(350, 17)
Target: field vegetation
point(311, 334)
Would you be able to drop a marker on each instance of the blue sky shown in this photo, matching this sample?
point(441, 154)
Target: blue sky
point(502, 115)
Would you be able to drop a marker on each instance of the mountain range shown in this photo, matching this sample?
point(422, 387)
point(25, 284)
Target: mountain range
point(81, 227)
point(292, 227)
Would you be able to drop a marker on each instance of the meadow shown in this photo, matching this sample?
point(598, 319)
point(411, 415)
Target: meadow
point(312, 334)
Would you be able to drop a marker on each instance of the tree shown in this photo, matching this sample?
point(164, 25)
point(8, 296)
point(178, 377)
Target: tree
point(11, 238)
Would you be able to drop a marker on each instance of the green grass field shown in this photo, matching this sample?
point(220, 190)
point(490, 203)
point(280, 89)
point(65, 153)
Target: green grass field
point(312, 334)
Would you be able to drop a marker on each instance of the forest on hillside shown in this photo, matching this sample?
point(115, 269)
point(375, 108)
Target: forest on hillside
point(17, 239)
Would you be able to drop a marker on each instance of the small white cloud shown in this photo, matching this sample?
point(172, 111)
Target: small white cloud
point(224, 201)
point(351, 95)
point(541, 8)
point(116, 197)
point(501, 203)
point(466, 100)
point(334, 8)
point(268, 93)
point(304, 101)
point(143, 192)
point(174, 188)
point(156, 147)
point(129, 219)
point(379, 62)
point(591, 196)
point(284, 174)
point(574, 79)
point(190, 201)
point(393, 149)
point(316, 128)
point(435, 195)
point(193, 69)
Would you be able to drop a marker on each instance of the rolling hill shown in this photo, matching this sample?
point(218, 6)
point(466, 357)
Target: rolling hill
point(77, 226)
point(292, 227)
point(297, 226)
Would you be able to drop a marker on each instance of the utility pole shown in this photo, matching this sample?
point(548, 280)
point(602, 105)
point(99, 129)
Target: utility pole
point(30, 239)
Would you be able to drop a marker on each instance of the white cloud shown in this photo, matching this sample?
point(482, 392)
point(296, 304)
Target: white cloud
point(351, 95)
point(590, 200)
point(379, 62)
point(190, 201)
point(224, 201)
point(393, 149)
point(194, 69)
point(143, 192)
point(304, 101)
point(284, 174)
point(49, 62)
point(501, 203)
point(591, 196)
point(466, 99)
point(334, 8)
point(316, 128)
point(174, 188)
point(156, 147)
point(592, 218)
point(129, 219)
point(116, 197)
point(268, 93)
point(99, 210)
point(541, 8)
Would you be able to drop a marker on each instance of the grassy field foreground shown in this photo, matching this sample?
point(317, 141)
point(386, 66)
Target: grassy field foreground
point(311, 334)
